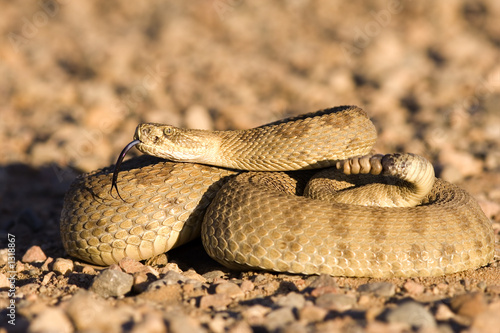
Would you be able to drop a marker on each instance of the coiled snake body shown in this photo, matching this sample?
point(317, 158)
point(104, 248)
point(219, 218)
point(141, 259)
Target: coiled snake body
point(379, 216)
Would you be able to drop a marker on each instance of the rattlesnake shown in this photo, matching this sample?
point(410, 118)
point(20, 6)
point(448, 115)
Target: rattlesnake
point(257, 220)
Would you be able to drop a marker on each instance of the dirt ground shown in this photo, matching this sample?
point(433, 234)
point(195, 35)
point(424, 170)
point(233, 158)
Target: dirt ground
point(77, 77)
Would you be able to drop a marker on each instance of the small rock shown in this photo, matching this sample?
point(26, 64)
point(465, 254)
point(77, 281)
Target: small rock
point(63, 266)
point(338, 302)
point(247, 286)
point(413, 288)
point(230, 289)
point(412, 314)
point(192, 275)
point(115, 267)
point(34, 254)
point(178, 322)
point(240, 327)
point(4, 281)
point(20, 266)
point(217, 324)
point(152, 323)
point(323, 284)
point(488, 320)
point(468, 305)
point(129, 265)
point(255, 314)
point(312, 313)
point(323, 280)
point(216, 301)
point(493, 289)
point(88, 270)
point(112, 283)
point(93, 314)
point(210, 276)
point(292, 300)
point(140, 282)
point(279, 318)
point(170, 267)
point(47, 277)
point(169, 279)
point(443, 313)
point(163, 294)
point(51, 320)
point(382, 289)
point(45, 266)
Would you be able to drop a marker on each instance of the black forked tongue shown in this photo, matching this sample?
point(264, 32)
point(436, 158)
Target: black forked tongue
point(117, 167)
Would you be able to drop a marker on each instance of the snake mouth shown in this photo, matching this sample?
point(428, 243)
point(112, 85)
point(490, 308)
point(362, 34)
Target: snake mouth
point(118, 164)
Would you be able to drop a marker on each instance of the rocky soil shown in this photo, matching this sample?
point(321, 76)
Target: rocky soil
point(77, 77)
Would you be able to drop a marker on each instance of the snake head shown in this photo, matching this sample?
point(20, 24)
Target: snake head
point(172, 143)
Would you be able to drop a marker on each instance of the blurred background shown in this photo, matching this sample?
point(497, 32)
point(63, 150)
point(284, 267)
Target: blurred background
point(76, 77)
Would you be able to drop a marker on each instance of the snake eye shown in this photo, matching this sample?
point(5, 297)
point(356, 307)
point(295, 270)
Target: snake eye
point(168, 131)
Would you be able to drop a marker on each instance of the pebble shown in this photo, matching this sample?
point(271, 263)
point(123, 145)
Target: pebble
point(489, 320)
point(468, 305)
point(129, 265)
point(63, 266)
point(87, 269)
point(230, 289)
point(192, 275)
point(93, 314)
point(240, 327)
point(140, 282)
point(4, 281)
point(47, 277)
point(112, 283)
point(494, 289)
point(34, 254)
point(217, 324)
point(255, 314)
point(51, 320)
point(323, 284)
point(382, 289)
point(152, 323)
point(210, 276)
point(247, 286)
point(170, 267)
point(443, 313)
point(312, 313)
point(178, 322)
point(412, 314)
point(163, 294)
point(413, 288)
point(216, 301)
point(292, 300)
point(48, 261)
point(171, 278)
point(323, 280)
point(279, 318)
point(337, 302)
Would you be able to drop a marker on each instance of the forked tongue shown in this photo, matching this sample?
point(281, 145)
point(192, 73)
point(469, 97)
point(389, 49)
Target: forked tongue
point(118, 164)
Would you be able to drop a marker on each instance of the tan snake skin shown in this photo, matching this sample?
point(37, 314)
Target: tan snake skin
point(256, 220)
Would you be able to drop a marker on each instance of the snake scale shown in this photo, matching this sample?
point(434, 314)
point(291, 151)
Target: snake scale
point(360, 215)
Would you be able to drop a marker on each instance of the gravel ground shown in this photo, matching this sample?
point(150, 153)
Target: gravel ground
point(77, 77)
